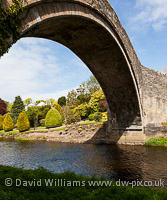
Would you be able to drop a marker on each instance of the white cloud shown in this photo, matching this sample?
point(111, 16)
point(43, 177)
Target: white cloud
point(46, 96)
point(32, 68)
point(151, 13)
point(25, 68)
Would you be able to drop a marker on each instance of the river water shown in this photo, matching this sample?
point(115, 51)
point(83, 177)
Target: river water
point(113, 161)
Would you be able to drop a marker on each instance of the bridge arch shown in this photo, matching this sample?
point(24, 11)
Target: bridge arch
point(93, 32)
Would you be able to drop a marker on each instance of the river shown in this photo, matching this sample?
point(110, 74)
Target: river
point(112, 161)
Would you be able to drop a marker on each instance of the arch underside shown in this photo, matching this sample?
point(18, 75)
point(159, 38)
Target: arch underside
point(98, 49)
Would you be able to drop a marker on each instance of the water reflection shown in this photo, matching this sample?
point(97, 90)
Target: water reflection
point(118, 162)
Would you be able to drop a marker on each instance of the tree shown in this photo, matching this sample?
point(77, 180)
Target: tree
point(9, 106)
point(82, 110)
point(53, 118)
point(17, 108)
point(8, 124)
point(97, 116)
point(62, 101)
point(1, 122)
point(72, 98)
point(3, 107)
point(43, 110)
point(69, 115)
point(91, 85)
point(39, 101)
point(23, 123)
point(33, 115)
point(58, 107)
point(94, 101)
point(103, 105)
point(65, 112)
point(51, 102)
point(28, 101)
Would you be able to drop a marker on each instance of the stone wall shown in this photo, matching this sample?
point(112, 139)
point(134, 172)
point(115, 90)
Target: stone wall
point(154, 98)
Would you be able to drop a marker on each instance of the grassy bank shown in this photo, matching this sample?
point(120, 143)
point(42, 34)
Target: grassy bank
point(156, 142)
point(87, 192)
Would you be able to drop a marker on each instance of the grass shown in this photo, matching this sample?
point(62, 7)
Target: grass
point(24, 138)
point(53, 192)
point(88, 122)
point(156, 142)
point(57, 129)
point(36, 131)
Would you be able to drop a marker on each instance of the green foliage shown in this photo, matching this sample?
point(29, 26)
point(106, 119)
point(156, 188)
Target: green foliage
point(156, 142)
point(97, 116)
point(17, 108)
point(1, 122)
point(42, 122)
point(23, 123)
point(8, 124)
point(91, 85)
point(33, 114)
point(53, 118)
point(9, 106)
point(69, 115)
point(58, 107)
point(9, 24)
point(62, 101)
point(104, 115)
point(28, 101)
point(72, 98)
point(36, 113)
point(91, 117)
point(94, 101)
point(79, 130)
point(82, 110)
point(56, 192)
point(39, 101)
point(43, 110)
point(83, 98)
point(164, 123)
point(51, 102)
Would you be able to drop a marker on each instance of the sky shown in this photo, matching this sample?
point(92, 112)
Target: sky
point(43, 69)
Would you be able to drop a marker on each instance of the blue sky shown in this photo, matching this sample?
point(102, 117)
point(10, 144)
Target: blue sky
point(43, 69)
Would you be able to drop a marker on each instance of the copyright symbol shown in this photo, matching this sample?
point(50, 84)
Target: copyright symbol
point(8, 182)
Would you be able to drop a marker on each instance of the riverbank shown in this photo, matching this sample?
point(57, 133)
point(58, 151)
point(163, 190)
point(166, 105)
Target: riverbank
point(80, 133)
point(42, 184)
point(156, 142)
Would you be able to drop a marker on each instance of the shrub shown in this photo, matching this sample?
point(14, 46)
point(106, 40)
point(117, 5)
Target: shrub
point(91, 117)
point(97, 116)
point(1, 122)
point(104, 115)
point(58, 107)
point(62, 101)
point(164, 123)
point(8, 124)
point(3, 107)
point(79, 130)
point(42, 122)
point(23, 123)
point(53, 118)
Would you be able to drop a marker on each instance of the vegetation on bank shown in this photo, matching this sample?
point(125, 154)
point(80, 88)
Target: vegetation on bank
point(24, 138)
point(85, 192)
point(88, 103)
point(156, 142)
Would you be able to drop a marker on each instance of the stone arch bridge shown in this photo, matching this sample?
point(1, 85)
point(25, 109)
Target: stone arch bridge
point(136, 96)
